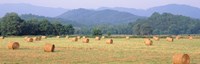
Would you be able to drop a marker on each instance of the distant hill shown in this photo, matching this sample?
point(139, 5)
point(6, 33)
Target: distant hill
point(185, 10)
point(30, 9)
point(92, 17)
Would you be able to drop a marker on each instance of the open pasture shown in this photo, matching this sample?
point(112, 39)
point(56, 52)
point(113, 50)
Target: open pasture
point(122, 51)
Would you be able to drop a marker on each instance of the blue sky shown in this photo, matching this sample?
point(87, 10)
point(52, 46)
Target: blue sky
point(72, 4)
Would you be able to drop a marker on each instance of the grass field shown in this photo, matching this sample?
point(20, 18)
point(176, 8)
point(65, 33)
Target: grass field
point(122, 51)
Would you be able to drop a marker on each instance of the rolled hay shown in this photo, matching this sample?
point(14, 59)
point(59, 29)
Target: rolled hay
point(103, 37)
point(178, 37)
point(169, 39)
point(13, 45)
point(2, 37)
point(148, 42)
point(109, 41)
point(35, 38)
point(57, 36)
point(39, 38)
point(156, 38)
point(49, 47)
point(79, 37)
point(29, 39)
point(85, 40)
point(97, 38)
point(181, 59)
point(67, 37)
point(190, 37)
point(127, 37)
point(84, 37)
point(25, 38)
point(44, 37)
point(75, 39)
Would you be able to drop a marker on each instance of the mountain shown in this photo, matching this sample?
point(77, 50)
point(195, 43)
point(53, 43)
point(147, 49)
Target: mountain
point(176, 9)
point(92, 17)
point(30, 9)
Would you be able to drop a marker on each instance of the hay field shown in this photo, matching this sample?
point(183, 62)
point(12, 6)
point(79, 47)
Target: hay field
point(122, 51)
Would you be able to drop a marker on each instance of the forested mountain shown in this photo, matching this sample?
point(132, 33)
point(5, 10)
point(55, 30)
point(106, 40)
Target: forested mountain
point(92, 17)
point(176, 9)
point(166, 23)
point(30, 9)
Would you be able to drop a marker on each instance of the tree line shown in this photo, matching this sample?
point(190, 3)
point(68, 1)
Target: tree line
point(12, 24)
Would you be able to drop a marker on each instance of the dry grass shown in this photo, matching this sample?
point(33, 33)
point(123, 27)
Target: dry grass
point(132, 51)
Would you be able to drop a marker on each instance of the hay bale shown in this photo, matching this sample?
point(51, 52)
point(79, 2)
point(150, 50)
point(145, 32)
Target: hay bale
point(49, 47)
point(181, 59)
point(97, 38)
point(39, 38)
point(13, 45)
point(84, 37)
point(156, 38)
point(85, 40)
point(177, 37)
point(127, 37)
point(29, 39)
point(103, 37)
point(169, 39)
point(57, 36)
point(44, 37)
point(25, 38)
point(35, 38)
point(75, 39)
point(79, 37)
point(190, 37)
point(2, 37)
point(109, 41)
point(148, 42)
point(67, 37)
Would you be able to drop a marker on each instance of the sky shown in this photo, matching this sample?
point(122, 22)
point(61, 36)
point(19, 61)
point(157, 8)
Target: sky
point(93, 4)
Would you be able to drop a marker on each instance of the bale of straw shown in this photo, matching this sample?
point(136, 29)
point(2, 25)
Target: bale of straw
point(44, 37)
point(79, 37)
point(29, 39)
point(156, 38)
point(169, 39)
point(177, 37)
point(148, 42)
point(103, 37)
point(190, 37)
point(75, 39)
point(67, 37)
point(85, 40)
point(109, 41)
point(39, 38)
point(2, 37)
point(97, 38)
point(13, 45)
point(181, 59)
point(49, 47)
point(127, 37)
point(35, 38)
point(84, 37)
point(57, 36)
point(25, 38)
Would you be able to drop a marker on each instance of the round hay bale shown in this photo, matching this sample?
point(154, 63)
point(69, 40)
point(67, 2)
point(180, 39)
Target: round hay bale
point(181, 59)
point(156, 38)
point(39, 38)
point(29, 39)
point(97, 38)
point(13, 45)
point(49, 47)
point(57, 36)
point(84, 37)
point(103, 37)
point(190, 37)
point(25, 38)
point(127, 37)
point(75, 39)
point(79, 37)
point(35, 39)
point(148, 42)
point(44, 37)
point(169, 39)
point(85, 40)
point(109, 41)
point(177, 37)
point(67, 37)
point(2, 37)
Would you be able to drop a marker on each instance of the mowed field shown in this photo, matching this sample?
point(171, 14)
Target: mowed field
point(122, 51)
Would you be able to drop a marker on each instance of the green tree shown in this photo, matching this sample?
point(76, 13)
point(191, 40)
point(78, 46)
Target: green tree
point(96, 32)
